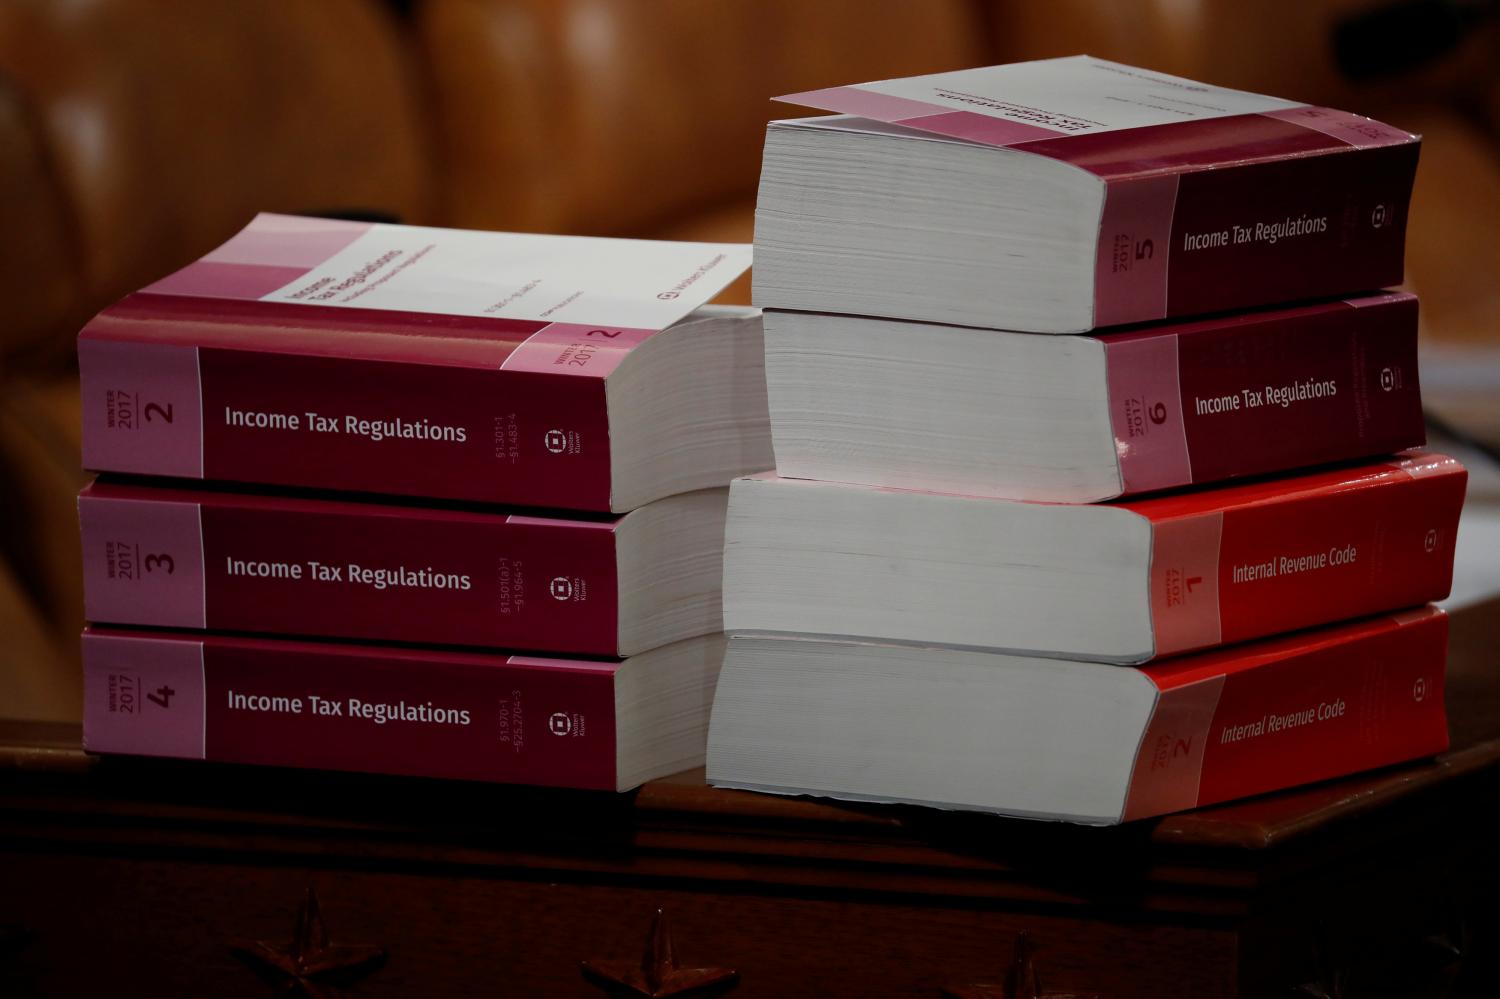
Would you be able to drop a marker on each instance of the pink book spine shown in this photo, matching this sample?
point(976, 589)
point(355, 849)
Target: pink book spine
point(1265, 392)
point(277, 416)
point(294, 704)
point(348, 570)
point(1226, 213)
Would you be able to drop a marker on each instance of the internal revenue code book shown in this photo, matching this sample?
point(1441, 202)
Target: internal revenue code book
point(1078, 741)
point(532, 370)
point(1121, 582)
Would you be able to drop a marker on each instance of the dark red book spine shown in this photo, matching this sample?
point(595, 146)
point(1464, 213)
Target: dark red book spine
point(1264, 392)
point(393, 711)
point(1301, 709)
point(1225, 213)
point(285, 565)
point(1282, 554)
point(277, 399)
point(1354, 205)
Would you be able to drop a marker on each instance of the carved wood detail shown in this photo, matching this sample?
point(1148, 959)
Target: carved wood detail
point(14, 937)
point(1330, 984)
point(1442, 953)
point(310, 965)
point(657, 974)
point(1332, 970)
point(1020, 982)
point(1410, 962)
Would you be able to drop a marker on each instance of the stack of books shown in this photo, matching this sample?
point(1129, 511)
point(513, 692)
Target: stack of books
point(1096, 576)
point(382, 453)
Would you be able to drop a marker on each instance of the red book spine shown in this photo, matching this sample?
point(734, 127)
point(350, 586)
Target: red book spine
point(1279, 555)
point(1302, 709)
point(283, 407)
point(170, 558)
point(1264, 392)
point(393, 711)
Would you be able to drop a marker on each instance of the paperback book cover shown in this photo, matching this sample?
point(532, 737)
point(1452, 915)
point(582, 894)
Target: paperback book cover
point(1093, 417)
point(1122, 582)
point(270, 563)
point(581, 723)
point(1187, 197)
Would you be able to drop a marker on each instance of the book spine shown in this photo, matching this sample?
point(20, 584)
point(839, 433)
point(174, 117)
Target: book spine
point(504, 436)
point(1251, 396)
point(1333, 709)
point(385, 573)
point(1301, 225)
point(1269, 567)
point(347, 708)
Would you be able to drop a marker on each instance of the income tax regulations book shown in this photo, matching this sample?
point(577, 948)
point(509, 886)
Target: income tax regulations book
point(602, 584)
point(1117, 582)
point(556, 371)
point(1062, 195)
point(520, 719)
point(1086, 418)
point(1079, 741)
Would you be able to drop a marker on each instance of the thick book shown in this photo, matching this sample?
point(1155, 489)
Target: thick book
point(1082, 742)
point(531, 370)
point(602, 584)
point(1118, 582)
point(519, 719)
point(1063, 195)
point(1087, 418)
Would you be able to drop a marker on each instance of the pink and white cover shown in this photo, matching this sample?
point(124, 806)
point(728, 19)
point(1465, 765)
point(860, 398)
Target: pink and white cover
point(384, 358)
point(564, 284)
point(1160, 143)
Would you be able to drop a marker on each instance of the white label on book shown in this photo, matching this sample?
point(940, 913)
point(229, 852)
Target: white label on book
point(641, 284)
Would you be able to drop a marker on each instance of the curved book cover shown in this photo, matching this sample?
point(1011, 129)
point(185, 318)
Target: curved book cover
point(291, 565)
point(522, 719)
point(496, 367)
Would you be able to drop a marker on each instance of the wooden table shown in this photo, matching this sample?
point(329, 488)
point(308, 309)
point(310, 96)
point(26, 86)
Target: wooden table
point(137, 877)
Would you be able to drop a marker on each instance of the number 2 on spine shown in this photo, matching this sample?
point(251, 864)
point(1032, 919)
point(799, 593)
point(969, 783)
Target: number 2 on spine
point(164, 413)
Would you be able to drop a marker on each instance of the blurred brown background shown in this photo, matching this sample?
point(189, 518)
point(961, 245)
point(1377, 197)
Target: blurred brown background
point(136, 135)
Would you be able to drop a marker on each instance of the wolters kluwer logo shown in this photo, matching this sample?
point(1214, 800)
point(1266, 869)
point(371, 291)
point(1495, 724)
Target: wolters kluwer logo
point(560, 723)
point(1378, 217)
point(561, 588)
point(556, 441)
